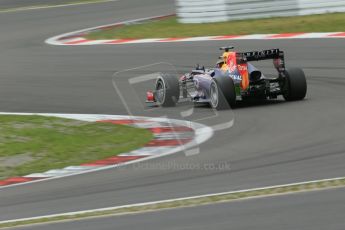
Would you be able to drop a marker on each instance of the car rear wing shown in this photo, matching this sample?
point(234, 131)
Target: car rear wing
point(275, 54)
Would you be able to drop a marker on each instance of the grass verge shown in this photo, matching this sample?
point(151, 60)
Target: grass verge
point(171, 28)
point(32, 144)
point(183, 202)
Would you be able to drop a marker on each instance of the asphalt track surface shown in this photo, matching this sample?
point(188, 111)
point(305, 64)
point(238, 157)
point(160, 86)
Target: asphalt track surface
point(309, 211)
point(269, 144)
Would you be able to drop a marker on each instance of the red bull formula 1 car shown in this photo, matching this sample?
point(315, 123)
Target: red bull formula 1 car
point(233, 79)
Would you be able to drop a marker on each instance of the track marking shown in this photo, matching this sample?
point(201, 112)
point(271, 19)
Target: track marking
point(77, 37)
point(40, 7)
point(183, 202)
point(71, 36)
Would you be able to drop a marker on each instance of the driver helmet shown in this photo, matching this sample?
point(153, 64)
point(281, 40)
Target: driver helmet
point(225, 57)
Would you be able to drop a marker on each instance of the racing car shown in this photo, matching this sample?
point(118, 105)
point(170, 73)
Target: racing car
point(234, 78)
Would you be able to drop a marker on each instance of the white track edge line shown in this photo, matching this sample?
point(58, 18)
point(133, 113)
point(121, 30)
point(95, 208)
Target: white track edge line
point(18, 9)
point(168, 200)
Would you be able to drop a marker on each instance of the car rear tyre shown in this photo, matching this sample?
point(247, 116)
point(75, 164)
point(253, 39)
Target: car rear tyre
point(222, 93)
point(167, 91)
point(295, 87)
